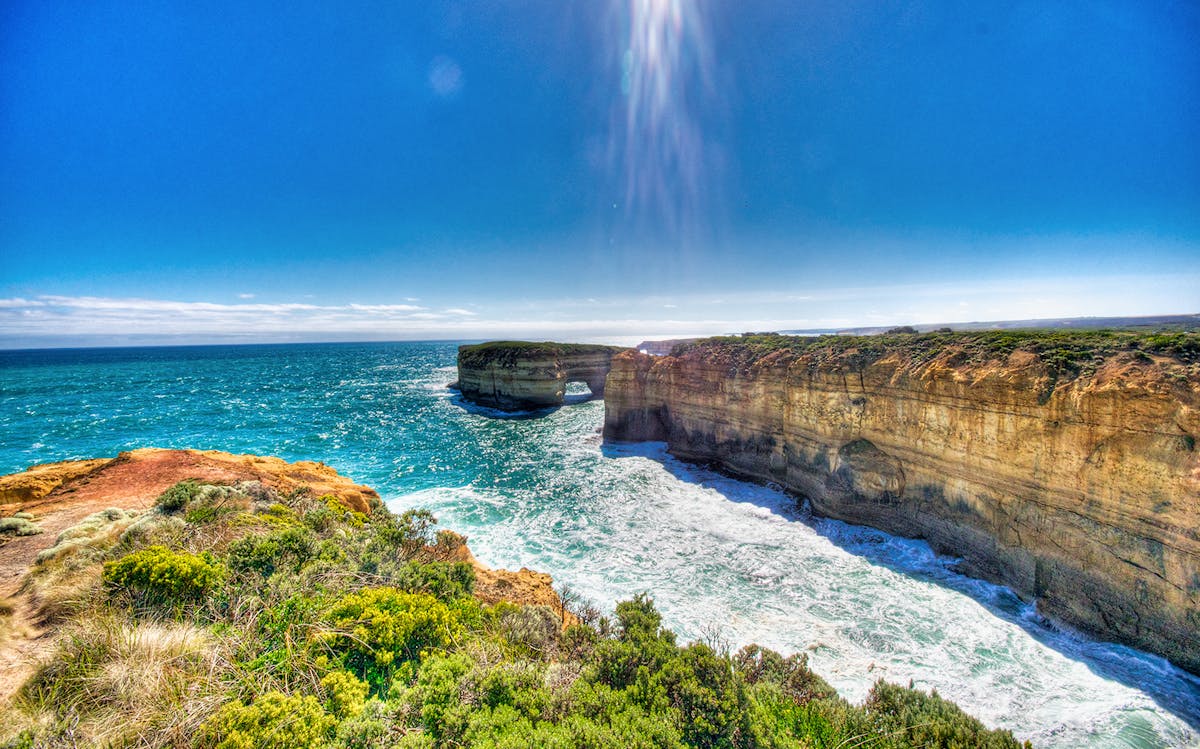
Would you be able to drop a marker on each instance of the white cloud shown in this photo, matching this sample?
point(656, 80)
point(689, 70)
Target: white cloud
point(51, 317)
point(384, 307)
point(245, 296)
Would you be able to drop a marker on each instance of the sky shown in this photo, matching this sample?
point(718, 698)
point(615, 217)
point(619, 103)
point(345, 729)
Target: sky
point(590, 170)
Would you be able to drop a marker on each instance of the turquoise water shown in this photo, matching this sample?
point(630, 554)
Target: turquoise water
point(718, 554)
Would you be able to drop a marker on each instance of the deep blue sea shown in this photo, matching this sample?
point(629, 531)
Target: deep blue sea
point(718, 555)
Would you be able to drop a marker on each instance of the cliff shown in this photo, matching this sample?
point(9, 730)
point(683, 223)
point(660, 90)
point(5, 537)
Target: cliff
point(57, 497)
point(662, 348)
point(518, 375)
point(1061, 465)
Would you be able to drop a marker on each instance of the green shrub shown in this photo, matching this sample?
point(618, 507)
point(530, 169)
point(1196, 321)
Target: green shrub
point(273, 721)
point(372, 728)
point(341, 512)
point(344, 694)
point(444, 580)
point(159, 576)
point(437, 698)
point(642, 643)
point(287, 549)
point(792, 674)
point(536, 629)
point(381, 627)
point(17, 526)
point(178, 496)
point(705, 689)
point(927, 720)
point(516, 684)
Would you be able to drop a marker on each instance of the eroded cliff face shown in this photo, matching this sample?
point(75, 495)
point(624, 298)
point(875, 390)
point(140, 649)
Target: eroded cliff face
point(1080, 492)
point(517, 375)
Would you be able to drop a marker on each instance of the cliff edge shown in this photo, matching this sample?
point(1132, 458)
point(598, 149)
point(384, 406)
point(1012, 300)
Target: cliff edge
point(520, 375)
point(1063, 465)
point(55, 498)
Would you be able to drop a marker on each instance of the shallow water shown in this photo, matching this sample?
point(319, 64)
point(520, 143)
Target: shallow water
point(611, 521)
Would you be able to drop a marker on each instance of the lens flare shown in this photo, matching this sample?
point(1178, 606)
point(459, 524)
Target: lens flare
point(665, 78)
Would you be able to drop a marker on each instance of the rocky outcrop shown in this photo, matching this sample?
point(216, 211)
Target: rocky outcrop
point(59, 495)
point(1080, 491)
point(661, 348)
point(518, 375)
point(133, 479)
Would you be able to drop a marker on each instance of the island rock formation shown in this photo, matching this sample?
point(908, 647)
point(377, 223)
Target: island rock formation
point(519, 375)
point(1078, 488)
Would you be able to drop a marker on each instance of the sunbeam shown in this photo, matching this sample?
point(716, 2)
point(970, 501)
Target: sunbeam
point(666, 73)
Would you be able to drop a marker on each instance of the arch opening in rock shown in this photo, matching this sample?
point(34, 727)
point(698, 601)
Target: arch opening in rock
point(577, 391)
point(520, 375)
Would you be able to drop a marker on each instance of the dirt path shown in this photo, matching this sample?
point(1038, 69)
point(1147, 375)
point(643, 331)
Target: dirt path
point(60, 495)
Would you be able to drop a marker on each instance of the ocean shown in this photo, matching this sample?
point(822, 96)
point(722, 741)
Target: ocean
point(724, 560)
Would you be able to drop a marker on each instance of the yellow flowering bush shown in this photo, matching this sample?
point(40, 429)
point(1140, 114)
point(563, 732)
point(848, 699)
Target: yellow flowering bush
point(378, 628)
point(157, 575)
point(273, 721)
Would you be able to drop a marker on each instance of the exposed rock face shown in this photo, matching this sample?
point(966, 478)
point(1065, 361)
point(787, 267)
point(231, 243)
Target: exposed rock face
point(661, 348)
point(1080, 492)
point(133, 479)
point(517, 375)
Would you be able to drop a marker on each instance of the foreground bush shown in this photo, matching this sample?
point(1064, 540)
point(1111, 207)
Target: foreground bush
point(274, 721)
point(159, 576)
point(378, 628)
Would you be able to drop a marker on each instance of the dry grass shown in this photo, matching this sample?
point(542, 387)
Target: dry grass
point(116, 683)
point(66, 577)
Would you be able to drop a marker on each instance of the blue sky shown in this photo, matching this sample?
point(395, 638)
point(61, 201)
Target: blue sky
point(598, 169)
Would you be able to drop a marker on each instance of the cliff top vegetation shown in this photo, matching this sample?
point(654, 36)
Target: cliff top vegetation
point(509, 352)
point(237, 616)
point(1065, 352)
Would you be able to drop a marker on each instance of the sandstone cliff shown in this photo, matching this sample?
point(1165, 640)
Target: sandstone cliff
point(517, 375)
point(1070, 475)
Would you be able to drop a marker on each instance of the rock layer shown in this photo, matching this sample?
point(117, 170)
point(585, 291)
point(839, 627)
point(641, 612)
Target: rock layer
point(517, 375)
point(1082, 493)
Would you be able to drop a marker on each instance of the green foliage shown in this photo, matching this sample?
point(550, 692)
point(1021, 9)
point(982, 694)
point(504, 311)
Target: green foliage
point(707, 692)
point(273, 721)
point(178, 496)
point(377, 628)
point(345, 695)
point(17, 526)
point(341, 512)
point(435, 696)
point(508, 353)
point(374, 727)
point(24, 740)
point(159, 576)
point(791, 674)
point(286, 550)
point(927, 720)
point(642, 644)
point(1065, 352)
point(303, 655)
point(536, 630)
point(444, 580)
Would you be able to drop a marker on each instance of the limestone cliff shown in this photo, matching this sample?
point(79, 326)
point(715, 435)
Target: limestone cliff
point(518, 375)
point(1070, 475)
